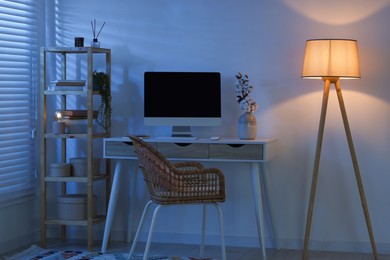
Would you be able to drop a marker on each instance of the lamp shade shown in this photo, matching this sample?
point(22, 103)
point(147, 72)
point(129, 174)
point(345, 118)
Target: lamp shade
point(331, 58)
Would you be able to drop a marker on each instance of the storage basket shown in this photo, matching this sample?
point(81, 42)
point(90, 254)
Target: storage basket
point(59, 170)
point(74, 207)
point(79, 166)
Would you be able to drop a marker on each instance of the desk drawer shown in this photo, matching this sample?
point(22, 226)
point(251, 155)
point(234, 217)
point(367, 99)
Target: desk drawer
point(121, 149)
point(236, 151)
point(179, 150)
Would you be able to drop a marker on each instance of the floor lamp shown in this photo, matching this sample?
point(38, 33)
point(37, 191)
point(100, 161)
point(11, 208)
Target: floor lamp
point(332, 60)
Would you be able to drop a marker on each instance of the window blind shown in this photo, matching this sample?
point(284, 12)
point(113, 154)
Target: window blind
point(18, 85)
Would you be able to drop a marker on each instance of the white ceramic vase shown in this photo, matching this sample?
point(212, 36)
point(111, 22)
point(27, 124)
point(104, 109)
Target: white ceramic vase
point(247, 126)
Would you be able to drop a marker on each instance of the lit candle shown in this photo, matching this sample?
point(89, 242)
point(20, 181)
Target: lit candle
point(59, 125)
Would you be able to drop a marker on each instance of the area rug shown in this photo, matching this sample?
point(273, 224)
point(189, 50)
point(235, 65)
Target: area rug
point(37, 253)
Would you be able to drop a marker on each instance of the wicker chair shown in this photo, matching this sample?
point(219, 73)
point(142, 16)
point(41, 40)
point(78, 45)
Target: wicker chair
point(177, 184)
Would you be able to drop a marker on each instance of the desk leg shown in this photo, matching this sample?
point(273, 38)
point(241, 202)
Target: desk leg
point(112, 204)
point(258, 206)
point(265, 175)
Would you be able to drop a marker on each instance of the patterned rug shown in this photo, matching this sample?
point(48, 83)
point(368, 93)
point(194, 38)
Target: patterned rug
point(37, 253)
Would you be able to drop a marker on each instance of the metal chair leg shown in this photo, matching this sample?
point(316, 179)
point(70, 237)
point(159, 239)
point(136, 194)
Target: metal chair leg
point(141, 223)
point(223, 248)
point(149, 241)
point(153, 222)
point(203, 230)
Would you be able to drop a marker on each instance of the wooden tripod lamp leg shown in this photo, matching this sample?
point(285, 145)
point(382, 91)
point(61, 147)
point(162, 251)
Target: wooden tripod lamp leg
point(321, 128)
point(356, 167)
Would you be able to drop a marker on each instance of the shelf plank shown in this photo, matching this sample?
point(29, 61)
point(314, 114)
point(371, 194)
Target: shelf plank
point(74, 179)
point(70, 50)
point(95, 135)
point(54, 221)
point(68, 92)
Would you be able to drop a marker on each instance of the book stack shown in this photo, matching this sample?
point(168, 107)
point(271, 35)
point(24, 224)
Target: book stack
point(77, 114)
point(67, 85)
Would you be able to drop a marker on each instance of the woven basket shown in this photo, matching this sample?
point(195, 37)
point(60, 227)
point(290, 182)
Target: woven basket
point(79, 166)
point(74, 207)
point(59, 170)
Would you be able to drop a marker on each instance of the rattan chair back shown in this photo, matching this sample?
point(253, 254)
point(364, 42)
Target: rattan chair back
point(173, 183)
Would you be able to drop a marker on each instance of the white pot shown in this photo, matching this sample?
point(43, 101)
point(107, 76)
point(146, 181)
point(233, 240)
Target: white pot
point(247, 126)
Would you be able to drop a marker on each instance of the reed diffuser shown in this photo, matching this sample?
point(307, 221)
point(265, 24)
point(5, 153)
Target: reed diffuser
point(95, 42)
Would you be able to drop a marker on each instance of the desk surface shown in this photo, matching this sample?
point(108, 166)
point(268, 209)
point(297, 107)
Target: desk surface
point(222, 140)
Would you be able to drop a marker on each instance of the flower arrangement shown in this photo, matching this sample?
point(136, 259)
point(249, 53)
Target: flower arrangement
point(243, 89)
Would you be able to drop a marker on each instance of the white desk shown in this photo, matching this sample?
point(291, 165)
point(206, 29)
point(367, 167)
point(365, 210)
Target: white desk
point(226, 150)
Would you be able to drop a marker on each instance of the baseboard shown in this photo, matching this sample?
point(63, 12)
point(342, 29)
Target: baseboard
point(335, 246)
point(180, 238)
point(245, 241)
point(234, 241)
point(194, 239)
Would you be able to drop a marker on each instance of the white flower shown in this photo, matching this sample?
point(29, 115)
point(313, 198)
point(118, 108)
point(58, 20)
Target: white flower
point(243, 89)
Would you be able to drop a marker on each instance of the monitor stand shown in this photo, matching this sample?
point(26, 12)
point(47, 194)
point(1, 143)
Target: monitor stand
point(181, 131)
point(180, 134)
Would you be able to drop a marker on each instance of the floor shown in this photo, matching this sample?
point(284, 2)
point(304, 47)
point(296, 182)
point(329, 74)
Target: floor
point(233, 253)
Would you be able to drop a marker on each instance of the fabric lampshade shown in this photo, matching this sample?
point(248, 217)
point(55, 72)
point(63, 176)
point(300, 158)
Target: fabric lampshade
point(331, 58)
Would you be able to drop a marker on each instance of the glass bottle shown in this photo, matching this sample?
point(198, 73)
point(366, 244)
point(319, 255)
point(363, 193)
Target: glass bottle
point(95, 43)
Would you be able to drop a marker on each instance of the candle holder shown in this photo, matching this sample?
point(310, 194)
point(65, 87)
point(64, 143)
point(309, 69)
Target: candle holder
point(78, 42)
point(58, 127)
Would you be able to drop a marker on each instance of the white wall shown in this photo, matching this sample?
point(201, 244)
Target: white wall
point(265, 39)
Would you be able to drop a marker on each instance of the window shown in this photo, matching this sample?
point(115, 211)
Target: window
point(18, 85)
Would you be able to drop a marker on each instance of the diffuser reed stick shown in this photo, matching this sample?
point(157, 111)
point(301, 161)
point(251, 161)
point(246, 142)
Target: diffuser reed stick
point(95, 42)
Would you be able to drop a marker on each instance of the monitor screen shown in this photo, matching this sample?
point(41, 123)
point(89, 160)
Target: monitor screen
point(182, 99)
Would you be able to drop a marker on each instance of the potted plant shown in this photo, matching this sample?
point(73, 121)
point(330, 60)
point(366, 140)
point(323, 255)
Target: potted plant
point(101, 83)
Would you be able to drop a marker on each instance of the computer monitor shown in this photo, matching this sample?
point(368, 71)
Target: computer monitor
point(182, 100)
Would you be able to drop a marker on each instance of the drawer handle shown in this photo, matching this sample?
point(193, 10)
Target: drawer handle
point(236, 145)
point(128, 143)
point(183, 144)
